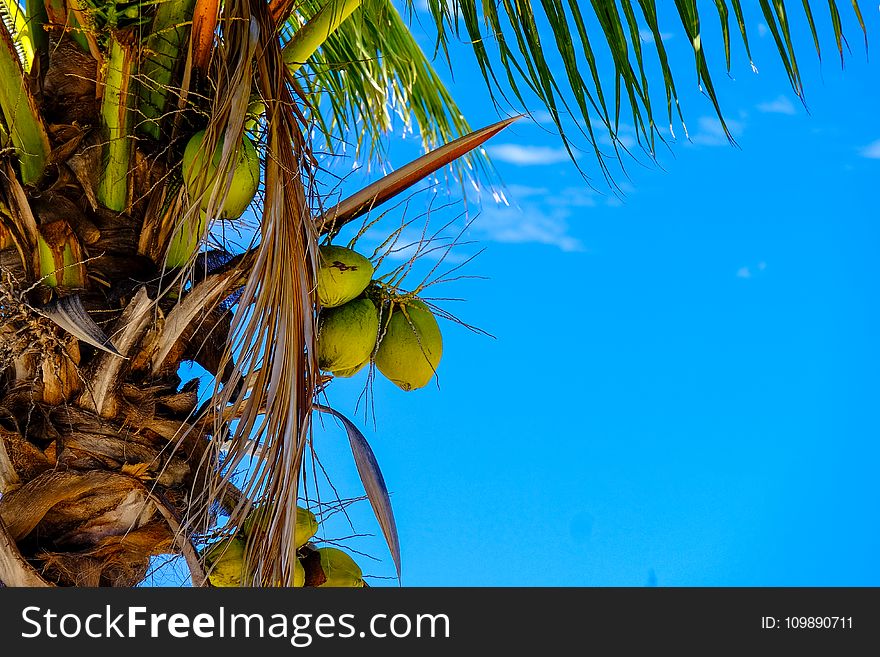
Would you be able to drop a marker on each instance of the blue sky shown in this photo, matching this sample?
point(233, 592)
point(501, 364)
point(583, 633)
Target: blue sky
point(682, 388)
point(682, 385)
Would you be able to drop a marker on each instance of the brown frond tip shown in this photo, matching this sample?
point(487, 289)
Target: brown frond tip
point(204, 24)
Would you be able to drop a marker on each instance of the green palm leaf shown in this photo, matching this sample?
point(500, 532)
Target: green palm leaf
point(506, 46)
point(369, 70)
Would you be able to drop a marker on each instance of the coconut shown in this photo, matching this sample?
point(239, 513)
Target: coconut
point(343, 274)
point(411, 346)
point(339, 569)
point(225, 562)
point(347, 335)
point(245, 176)
point(258, 521)
point(350, 372)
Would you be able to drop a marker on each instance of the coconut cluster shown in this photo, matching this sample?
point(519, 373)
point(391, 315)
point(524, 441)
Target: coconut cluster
point(361, 321)
point(226, 562)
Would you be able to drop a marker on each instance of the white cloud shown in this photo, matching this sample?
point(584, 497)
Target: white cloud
point(527, 155)
point(780, 105)
point(573, 197)
point(648, 37)
point(746, 272)
point(871, 151)
point(541, 116)
point(711, 133)
point(517, 192)
point(530, 224)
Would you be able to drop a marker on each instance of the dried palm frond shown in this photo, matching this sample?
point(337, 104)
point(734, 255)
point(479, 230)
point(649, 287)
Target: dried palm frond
point(272, 334)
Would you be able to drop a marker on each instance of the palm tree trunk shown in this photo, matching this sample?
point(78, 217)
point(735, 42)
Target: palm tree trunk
point(100, 453)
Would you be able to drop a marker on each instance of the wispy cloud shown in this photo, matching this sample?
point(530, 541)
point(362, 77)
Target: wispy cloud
point(516, 192)
point(710, 132)
point(780, 105)
point(748, 272)
point(539, 215)
point(648, 37)
point(762, 30)
point(527, 224)
point(541, 116)
point(527, 155)
point(871, 151)
point(573, 197)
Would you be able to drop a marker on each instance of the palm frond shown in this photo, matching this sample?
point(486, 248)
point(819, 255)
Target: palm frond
point(162, 56)
point(271, 343)
point(506, 43)
point(373, 482)
point(375, 194)
point(370, 70)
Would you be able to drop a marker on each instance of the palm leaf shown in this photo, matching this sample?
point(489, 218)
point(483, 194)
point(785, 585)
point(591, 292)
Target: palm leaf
point(16, 23)
point(164, 47)
point(506, 46)
point(271, 340)
point(70, 314)
point(396, 182)
point(373, 481)
point(369, 71)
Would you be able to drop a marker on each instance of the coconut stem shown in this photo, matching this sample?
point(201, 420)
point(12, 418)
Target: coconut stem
point(163, 48)
point(315, 32)
point(113, 184)
point(20, 113)
point(17, 24)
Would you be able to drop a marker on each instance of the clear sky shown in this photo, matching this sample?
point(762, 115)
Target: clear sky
point(682, 388)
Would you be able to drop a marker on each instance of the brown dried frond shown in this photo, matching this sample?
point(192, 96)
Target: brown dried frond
point(272, 338)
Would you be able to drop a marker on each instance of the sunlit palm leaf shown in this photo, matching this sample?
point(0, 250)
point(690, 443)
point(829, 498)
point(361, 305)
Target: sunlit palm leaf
point(371, 69)
point(13, 17)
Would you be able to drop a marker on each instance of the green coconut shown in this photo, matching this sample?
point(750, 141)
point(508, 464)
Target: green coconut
point(347, 335)
point(245, 176)
point(258, 520)
point(411, 346)
point(342, 275)
point(225, 562)
point(351, 371)
point(339, 569)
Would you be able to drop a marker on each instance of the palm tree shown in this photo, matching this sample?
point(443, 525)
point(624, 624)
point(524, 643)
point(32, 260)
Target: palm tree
point(125, 130)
